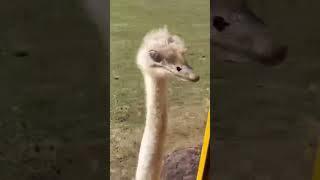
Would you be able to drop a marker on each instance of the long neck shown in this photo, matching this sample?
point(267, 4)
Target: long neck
point(151, 149)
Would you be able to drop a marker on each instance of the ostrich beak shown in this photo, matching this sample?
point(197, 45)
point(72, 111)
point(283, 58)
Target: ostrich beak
point(188, 73)
point(184, 72)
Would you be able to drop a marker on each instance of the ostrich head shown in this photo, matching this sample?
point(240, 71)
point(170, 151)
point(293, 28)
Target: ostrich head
point(163, 55)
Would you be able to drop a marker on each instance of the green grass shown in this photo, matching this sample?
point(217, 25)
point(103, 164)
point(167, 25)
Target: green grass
point(130, 20)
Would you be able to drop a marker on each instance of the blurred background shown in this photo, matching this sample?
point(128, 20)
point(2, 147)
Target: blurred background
point(53, 92)
point(268, 118)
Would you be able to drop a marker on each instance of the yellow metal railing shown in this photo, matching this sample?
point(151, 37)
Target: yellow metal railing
point(204, 151)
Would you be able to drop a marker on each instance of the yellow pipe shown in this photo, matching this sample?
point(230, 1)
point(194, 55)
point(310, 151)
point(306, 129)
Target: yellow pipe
point(204, 150)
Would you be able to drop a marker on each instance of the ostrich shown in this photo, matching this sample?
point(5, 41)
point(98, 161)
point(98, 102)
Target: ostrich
point(160, 56)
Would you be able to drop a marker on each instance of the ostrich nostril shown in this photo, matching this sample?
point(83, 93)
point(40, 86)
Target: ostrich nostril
point(178, 68)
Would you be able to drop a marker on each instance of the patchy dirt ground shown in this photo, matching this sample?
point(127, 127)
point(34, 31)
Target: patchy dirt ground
point(188, 101)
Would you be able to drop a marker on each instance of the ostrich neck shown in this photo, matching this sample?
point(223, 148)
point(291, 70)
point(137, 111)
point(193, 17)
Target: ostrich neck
point(151, 149)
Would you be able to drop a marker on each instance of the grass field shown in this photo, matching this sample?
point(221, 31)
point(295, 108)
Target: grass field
point(130, 20)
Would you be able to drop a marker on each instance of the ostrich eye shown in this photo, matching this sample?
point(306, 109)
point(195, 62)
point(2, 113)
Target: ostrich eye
point(170, 40)
point(155, 56)
point(219, 23)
